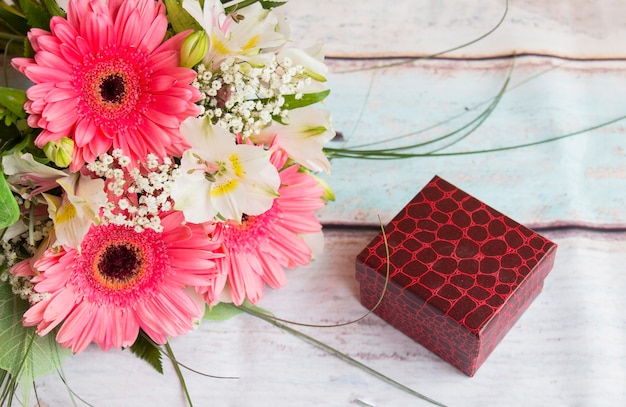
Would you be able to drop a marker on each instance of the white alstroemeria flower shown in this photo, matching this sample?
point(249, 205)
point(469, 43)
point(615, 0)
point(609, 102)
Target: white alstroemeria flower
point(303, 137)
point(212, 17)
point(253, 29)
point(16, 229)
point(28, 176)
point(311, 59)
point(77, 210)
point(218, 177)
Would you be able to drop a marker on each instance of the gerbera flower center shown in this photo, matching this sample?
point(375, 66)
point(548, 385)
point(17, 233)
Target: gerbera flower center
point(250, 231)
point(113, 88)
point(119, 263)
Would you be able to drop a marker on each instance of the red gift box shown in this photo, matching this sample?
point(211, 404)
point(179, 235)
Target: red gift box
point(461, 273)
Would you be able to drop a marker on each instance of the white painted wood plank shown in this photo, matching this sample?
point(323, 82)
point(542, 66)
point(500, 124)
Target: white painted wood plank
point(375, 28)
point(580, 180)
point(567, 349)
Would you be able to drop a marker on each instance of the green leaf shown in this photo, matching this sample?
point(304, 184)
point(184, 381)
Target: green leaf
point(221, 311)
point(307, 99)
point(245, 3)
point(16, 141)
point(53, 8)
point(13, 19)
point(12, 104)
point(9, 210)
point(23, 353)
point(149, 351)
point(227, 310)
point(179, 18)
point(36, 14)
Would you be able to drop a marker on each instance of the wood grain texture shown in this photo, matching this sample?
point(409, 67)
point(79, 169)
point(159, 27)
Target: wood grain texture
point(566, 350)
point(377, 28)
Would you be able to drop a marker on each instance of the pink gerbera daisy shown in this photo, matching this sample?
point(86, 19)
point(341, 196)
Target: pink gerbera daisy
point(260, 246)
point(123, 281)
point(104, 78)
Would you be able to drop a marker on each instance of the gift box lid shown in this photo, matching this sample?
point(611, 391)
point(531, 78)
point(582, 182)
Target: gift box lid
point(462, 258)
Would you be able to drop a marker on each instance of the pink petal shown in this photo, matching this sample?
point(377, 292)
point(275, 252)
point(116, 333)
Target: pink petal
point(131, 141)
point(44, 137)
point(39, 91)
point(48, 43)
point(71, 54)
point(34, 315)
point(160, 83)
point(88, 333)
point(58, 309)
point(35, 35)
point(54, 111)
point(128, 27)
point(76, 327)
point(22, 63)
point(186, 259)
point(162, 119)
point(171, 104)
point(56, 94)
point(274, 274)
point(154, 35)
point(40, 74)
point(83, 46)
point(85, 131)
point(163, 60)
point(63, 30)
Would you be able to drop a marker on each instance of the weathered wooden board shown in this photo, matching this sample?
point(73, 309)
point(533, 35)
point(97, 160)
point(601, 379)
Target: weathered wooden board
point(376, 28)
point(579, 180)
point(567, 349)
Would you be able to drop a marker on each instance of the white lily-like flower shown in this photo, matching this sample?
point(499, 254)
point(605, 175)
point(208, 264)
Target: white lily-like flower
point(75, 212)
point(219, 178)
point(13, 230)
point(303, 137)
point(29, 177)
point(311, 59)
point(242, 34)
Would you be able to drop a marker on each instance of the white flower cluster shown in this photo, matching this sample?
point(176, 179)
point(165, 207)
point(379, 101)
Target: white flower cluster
point(21, 247)
point(243, 98)
point(136, 195)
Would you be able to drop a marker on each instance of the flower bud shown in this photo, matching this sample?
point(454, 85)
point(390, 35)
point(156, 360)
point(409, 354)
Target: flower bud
point(60, 152)
point(194, 49)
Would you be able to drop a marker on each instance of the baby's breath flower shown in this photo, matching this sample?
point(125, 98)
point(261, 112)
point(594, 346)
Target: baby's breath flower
point(18, 249)
point(244, 99)
point(151, 184)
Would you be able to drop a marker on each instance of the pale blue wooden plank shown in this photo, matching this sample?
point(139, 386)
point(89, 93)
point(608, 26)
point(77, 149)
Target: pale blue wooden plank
point(581, 180)
point(374, 28)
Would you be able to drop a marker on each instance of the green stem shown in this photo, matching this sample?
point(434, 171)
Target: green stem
point(179, 373)
point(382, 155)
point(14, 37)
point(72, 394)
point(340, 355)
point(459, 115)
point(471, 127)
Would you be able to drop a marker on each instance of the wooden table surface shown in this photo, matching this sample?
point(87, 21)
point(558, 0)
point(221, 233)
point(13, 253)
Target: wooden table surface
point(569, 348)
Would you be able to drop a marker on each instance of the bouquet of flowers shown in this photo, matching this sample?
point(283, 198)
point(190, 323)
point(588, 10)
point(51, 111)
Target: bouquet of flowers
point(163, 160)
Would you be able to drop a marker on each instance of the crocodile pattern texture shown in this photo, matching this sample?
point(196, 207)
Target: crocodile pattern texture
point(461, 273)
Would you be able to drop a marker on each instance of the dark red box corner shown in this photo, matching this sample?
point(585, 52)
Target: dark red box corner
point(461, 273)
